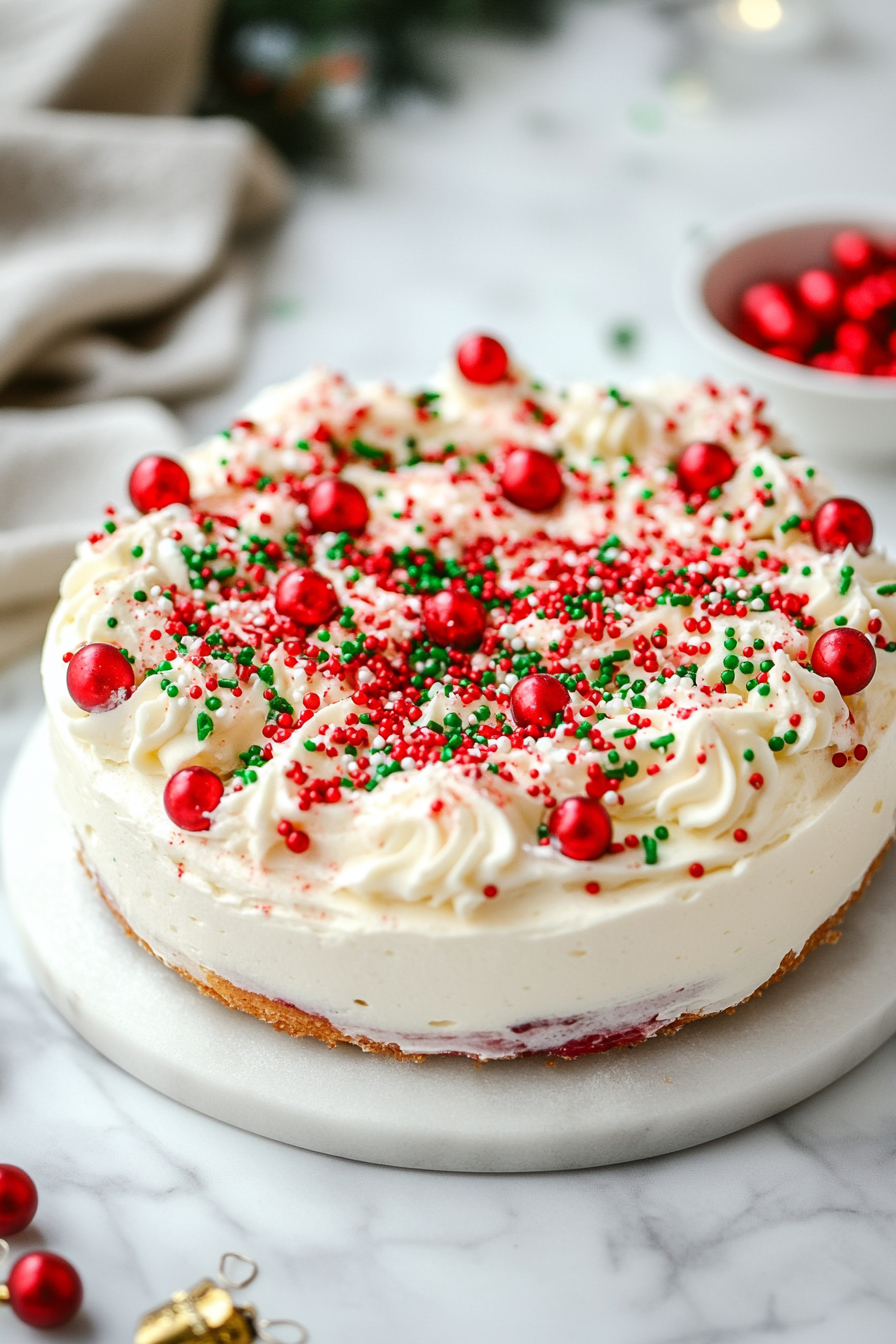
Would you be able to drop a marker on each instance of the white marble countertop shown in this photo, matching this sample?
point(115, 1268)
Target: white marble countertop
point(547, 202)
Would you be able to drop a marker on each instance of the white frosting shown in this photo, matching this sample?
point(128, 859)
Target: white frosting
point(388, 924)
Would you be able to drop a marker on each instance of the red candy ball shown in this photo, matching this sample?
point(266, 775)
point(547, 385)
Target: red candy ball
point(581, 828)
point(535, 700)
point(99, 678)
point(190, 795)
point(482, 360)
point(306, 597)
point(840, 522)
point(454, 619)
point(847, 657)
point(531, 480)
point(337, 506)
point(44, 1290)
point(702, 466)
point(852, 250)
point(820, 293)
point(18, 1200)
point(157, 482)
point(775, 317)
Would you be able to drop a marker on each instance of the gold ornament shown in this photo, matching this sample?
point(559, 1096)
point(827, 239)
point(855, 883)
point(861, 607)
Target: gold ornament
point(208, 1312)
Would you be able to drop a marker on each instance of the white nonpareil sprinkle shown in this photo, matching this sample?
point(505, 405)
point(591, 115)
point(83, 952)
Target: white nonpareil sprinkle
point(757, 604)
point(365, 676)
point(610, 798)
point(408, 763)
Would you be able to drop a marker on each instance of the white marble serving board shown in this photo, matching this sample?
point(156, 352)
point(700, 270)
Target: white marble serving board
point(446, 1114)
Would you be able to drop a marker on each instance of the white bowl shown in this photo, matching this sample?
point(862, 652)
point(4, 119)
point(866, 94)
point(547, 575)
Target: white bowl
point(833, 416)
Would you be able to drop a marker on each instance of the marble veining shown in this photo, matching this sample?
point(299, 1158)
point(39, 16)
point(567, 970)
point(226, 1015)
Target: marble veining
point(535, 205)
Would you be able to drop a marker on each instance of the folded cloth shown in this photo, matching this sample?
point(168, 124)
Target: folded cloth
point(104, 55)
point(127, 241)
point(121, 246)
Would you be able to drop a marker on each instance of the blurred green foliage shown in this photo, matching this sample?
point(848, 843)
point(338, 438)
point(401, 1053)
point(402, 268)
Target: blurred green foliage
point(296, 68)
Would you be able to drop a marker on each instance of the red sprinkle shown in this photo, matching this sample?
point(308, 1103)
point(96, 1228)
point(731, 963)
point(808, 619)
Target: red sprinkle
point(740, 835)
point(696, 870)
point(838, 759)
point(860, 752)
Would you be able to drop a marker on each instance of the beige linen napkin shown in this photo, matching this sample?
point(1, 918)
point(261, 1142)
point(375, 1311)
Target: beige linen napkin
point(127, 238)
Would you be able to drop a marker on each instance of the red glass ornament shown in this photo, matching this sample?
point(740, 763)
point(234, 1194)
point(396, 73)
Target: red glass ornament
point(306, 597)
point(535, 700)
point(581, 828)
point(852, 250)
point(454, 618)
point(482, 360)
point(190, 794)
point(157, 482)
point(531, 480)
point(841, 522)
point(702, 466)
point(820, 293)
point(337, 506)
point(18, 1199)
point(99, 678)
point(45, 1291)
point(847, 657)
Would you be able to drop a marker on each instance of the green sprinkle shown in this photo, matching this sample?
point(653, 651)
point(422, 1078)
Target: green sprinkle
point(212, 702)
point(204, 726)
point(764, 689)
point(649, 843)
point(746, 667)
point(136, 552)
point(661, 832)
point(806, 571)
point(839, 620)
point(766, 665)
point(790, 736)
point(139, 596)
point(776, 743)
point(660, 743)
point(731, 660)
point(309, 745)
point(229, 682)
point(749, 755)
point(112, 622)
point(266, 674)
point(757, 471)
point(886, 590)
point(109, 527)
point(727, 676)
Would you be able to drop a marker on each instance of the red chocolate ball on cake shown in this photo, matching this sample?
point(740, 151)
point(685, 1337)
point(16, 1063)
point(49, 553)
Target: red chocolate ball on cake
point(847, 657)
point(45, 1291)
point(531, 480)
point(454, 619)
point(18, 1199)
point(306, 597)
point(99, 678)
point(842, 522)
point(581, 828)
point(337, 506)
point(535, 700)
point(190, 795)
point(703, 466)
point(482, 360)
point(157, 482)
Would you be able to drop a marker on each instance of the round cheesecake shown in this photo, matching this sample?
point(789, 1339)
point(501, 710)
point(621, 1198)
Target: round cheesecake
point(486, 719)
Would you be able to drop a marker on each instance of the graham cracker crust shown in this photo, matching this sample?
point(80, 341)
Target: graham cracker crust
point(296, 1022)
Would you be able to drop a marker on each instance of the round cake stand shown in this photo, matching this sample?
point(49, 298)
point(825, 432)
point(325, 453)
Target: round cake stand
point(446, 1114)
